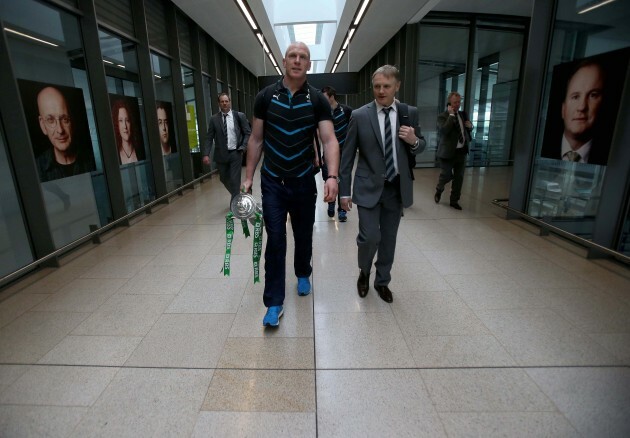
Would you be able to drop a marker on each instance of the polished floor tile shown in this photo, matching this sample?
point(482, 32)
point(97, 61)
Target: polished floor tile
point(595, 400)
point(147, 402)
point(375, 403)
point(261, 391)
point(495, 331)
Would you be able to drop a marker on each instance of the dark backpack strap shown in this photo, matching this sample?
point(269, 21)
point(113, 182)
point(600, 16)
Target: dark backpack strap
point(403, 120)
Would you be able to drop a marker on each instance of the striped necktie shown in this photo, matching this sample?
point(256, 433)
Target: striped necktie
point(390, 169)
point(225, 116)
point(461, 133)
point(573, 156)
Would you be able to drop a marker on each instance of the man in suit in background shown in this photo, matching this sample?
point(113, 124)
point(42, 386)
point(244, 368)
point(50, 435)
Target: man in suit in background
point(454, 128)
point(382, 183)
point(341, 118)
point(230, 132)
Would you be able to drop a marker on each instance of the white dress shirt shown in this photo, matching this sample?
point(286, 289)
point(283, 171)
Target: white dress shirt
point(584, 150)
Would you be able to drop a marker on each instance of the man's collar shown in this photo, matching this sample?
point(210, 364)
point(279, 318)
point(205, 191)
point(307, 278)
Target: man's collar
point(379, 107)
point(280, 85)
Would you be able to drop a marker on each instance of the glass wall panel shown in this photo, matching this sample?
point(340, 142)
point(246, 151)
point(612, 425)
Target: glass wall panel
point(120, 61)
point(15, 249)
point(207, 100)
point(167, 122)
point(578, 112)
point(498, 57)
point(47, 53)
point(441, 69)
point(191, 109)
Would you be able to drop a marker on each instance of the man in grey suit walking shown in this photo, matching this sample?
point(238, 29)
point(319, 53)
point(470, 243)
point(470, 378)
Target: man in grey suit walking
point(455, 128)
point(385, 133)
point(230, 131)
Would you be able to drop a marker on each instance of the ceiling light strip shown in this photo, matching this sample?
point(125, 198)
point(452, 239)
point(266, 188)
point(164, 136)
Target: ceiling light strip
point(30, 37)
point(252, 23)
point(595, 6)
point(245, 11)
point(359, 16)
point(355, 24)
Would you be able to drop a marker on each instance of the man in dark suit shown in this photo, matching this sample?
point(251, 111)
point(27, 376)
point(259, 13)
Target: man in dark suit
point(454, 128)
point(230, 131)
point(384, 135)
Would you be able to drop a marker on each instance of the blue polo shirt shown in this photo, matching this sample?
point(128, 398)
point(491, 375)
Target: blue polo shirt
point(290, 122)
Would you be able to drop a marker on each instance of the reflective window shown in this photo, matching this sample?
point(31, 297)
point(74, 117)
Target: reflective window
point(441, 69)
point(208, 102)
point(163, 81)
point(191, 109)
point(496, 79)
point(15, 250)
point(58, 108)
point(587, 66)
point(128, 118)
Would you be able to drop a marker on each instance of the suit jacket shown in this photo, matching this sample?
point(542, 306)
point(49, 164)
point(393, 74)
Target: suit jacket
point(215, 132)
point(448, 128)
point(364, 135)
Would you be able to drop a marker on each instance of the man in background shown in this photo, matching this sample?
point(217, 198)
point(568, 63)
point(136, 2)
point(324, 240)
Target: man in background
point(454, 128)
point(230, 131)
point(341, 118)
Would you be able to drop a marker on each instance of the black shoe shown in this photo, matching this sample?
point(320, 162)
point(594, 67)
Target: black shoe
point(363, 284)
point(437, 196)
point(384, 293)
point(455, 205)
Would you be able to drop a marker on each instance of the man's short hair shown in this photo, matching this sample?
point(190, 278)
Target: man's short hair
point(161, 105)
point(388, 71)
point(330, 91)
point(451, 94)
point(223, 94)
point(580, 66)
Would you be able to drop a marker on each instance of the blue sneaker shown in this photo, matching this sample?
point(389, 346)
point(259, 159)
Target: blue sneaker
point(342, 216)
point(304, 286)
point(272, 317)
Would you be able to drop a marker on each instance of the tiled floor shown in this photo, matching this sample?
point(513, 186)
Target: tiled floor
point(494, 331)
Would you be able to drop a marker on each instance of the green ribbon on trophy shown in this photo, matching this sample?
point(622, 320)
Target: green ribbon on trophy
point(244, 207)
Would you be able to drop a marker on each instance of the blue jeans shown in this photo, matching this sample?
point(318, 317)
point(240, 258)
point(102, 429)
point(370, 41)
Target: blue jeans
point(296, 197)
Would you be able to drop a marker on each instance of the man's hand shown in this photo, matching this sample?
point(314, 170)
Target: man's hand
point(331, 189)
point(346, 204)
point(407, 134)
point(246, 186)
point(468, 124)
point(206, 160)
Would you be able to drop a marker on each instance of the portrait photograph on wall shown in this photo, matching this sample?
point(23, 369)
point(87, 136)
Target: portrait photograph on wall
point(59, 130)
point(583, 106)
point(126, 120)
point(166, 127)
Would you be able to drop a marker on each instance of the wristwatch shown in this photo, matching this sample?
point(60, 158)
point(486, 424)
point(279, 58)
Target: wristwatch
point(334, 176)
point(416, 144)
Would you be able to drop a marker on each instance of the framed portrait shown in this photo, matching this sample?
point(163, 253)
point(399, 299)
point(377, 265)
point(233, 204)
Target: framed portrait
point(59, 130)
point(583, 106)
point(127, 128)
point(166, 127)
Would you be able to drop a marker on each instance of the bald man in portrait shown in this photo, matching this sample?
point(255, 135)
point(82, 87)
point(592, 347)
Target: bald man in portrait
point(62, 156)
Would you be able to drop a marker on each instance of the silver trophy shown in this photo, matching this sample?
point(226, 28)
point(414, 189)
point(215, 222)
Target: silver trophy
point(245, 206)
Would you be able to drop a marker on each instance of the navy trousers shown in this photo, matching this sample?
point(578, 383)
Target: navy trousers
point(295, 197)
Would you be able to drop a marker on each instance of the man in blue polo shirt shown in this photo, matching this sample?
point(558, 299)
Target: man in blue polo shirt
point(286, 117)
